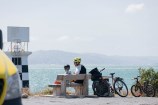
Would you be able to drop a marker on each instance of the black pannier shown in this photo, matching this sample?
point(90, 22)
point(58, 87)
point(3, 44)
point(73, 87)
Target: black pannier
point(95, 74)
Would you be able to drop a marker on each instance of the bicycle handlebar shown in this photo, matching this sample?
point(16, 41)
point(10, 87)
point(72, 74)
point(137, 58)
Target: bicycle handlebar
point(102, 70)
point(136, 77)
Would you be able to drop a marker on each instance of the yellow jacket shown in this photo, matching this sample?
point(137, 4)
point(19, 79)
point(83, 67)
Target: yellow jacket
point(7, 69)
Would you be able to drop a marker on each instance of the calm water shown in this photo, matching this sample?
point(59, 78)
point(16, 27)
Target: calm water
point(42, 75)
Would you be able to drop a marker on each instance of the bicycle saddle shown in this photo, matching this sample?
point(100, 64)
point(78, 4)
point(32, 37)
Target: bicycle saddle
point(112, 73)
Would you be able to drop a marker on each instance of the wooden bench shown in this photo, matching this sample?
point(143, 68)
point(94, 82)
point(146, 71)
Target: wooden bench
point(60, 89)
point(56, 89)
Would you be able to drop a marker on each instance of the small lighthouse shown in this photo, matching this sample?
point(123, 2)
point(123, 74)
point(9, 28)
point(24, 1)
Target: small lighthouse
point(18, 37)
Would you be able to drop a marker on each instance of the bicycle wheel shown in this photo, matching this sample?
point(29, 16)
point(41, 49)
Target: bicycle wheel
point(150, 91)
point(120, 88)
point(136, 90)
point(101, 88)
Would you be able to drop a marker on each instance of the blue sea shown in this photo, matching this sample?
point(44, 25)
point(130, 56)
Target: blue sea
point(42, 75)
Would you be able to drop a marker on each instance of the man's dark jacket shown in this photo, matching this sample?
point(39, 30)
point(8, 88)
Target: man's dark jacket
point(82, 71)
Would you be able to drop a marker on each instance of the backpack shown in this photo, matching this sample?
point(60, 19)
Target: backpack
point(95, 74)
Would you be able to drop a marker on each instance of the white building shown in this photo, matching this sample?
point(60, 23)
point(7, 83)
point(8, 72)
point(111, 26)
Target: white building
point(18, 37)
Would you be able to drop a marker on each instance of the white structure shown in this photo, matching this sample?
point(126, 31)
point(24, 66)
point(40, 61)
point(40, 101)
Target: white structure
point(18, 37)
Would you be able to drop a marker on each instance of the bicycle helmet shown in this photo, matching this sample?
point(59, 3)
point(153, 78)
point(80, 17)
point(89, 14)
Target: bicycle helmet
point(77, 60)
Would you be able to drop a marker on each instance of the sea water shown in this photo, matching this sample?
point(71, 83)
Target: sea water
point(41, 76)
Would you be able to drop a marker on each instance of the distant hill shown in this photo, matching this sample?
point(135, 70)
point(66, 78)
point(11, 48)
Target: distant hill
point(61, 58)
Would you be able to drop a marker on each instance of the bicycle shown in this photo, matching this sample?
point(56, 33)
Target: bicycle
point(137, 89)
point(102, 87)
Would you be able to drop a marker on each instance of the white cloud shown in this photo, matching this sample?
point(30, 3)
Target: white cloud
point(75, 38)
point(63, 38)
point(85, 38)
point(133, 8)
point(33, 38)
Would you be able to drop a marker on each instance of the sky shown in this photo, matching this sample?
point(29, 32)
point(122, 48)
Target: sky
point(110, 27)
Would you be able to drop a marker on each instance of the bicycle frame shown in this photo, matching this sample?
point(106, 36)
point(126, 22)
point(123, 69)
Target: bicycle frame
point(113, 80)
point(142, 87)
point(117, 85)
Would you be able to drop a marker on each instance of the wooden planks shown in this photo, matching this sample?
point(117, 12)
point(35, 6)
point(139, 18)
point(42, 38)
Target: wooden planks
point(83, 88)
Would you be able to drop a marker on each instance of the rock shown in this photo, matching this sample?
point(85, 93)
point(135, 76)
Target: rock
point(24, 95)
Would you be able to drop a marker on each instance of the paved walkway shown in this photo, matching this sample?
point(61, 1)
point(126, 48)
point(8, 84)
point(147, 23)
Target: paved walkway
point(91, 101)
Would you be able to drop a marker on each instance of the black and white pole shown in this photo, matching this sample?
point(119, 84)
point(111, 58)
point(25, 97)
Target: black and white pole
point(21, 63)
